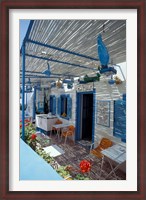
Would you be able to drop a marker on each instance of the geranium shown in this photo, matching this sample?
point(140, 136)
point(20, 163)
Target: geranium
point(27, 121)
point(20, 125)
point(85, 166)
point(33, 136)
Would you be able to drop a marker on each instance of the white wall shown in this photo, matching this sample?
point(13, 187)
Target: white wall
point(104, 91)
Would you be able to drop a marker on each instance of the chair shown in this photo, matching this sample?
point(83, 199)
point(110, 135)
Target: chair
point(66, 132)
point(104, 144)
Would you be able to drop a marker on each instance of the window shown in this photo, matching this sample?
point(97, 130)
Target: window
point(64, 106)
point(53, 104)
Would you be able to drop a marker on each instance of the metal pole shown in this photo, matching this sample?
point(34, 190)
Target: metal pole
point(62, 62)
point(26, 99)
point(23, 91)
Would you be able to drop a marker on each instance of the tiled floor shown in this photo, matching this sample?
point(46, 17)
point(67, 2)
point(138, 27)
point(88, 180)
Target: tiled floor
point(74, 153)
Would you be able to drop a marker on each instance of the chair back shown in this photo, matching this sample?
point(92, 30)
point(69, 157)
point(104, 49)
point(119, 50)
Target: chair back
point(105, 143)
point(71, 128)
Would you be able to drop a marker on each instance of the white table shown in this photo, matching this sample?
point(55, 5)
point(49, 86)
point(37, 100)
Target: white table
point(116, 153)
point(58, 127)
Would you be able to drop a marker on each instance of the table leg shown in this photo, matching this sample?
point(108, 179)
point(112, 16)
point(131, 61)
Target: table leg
point(58, 133)
point(102, 161)
point(113, 169)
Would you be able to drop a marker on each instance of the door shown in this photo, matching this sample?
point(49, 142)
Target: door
point(87, 116)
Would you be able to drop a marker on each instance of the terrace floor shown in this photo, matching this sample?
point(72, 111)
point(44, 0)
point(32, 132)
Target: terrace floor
point(74, 153)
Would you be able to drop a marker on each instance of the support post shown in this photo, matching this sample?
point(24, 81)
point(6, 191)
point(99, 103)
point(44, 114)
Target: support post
point(23, 91)
point(26, 99)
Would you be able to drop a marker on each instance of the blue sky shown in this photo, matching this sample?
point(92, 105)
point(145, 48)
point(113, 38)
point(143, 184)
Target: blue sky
point(23, 29)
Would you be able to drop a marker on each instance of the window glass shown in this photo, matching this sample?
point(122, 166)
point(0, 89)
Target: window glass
point(64, 106)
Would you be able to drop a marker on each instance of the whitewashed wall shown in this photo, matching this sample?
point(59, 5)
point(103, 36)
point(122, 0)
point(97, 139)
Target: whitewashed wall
point(104, 91)
point(57, 92)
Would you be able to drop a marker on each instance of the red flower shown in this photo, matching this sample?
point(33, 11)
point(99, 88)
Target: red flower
point(85, 166)
point(27, 121)
point(20, 125)
point(33, 136)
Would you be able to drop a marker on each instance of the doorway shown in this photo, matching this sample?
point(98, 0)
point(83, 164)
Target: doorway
point(84, 117)
point(87, 114)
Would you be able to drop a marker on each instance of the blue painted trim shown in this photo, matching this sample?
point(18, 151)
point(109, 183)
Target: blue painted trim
point(35, 76)
point(26, 91)
point(53, 104)
point(26, 99)
point(60, 49)
point(76, 124)
point(84, 92)
point(34, 103)
point(78, 115)
point(68, 98)
point(65, 63)
point(23, 91)
point(32, 72)
point(109, 112)
point(42, 131)
point(94, 114)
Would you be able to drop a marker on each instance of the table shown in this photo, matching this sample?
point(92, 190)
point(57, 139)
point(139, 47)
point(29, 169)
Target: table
point(116, 153)
point(59, 127)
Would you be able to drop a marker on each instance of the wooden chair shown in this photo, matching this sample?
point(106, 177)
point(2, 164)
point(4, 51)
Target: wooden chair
point(66, 132)
point(104, 144)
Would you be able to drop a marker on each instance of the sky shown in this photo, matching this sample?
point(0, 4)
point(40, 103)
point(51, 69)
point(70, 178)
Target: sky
point(23, 29)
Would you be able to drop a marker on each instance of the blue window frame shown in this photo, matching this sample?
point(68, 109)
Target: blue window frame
point(53, 104)
point(65, 106)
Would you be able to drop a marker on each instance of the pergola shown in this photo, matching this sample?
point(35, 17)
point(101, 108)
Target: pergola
point(54, 49)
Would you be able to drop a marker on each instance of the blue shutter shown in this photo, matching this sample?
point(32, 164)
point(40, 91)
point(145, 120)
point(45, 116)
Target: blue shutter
point(69, 107)
point(120, 119)
point(59, 105)
point(54, 106)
